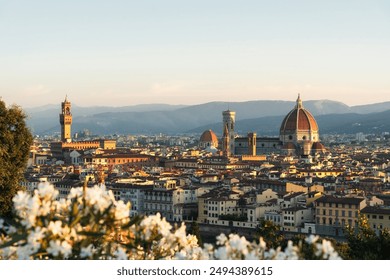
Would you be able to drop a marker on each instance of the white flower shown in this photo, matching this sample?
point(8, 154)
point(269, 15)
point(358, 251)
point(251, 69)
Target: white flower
point(271, 254)
point(27, 208)
point(291, 251)
point(280, 256)
point(12, 230)
point(47, 191)
point(312, 239)
point(122, 210)
point(251, 256)
point(221, 239)
point(153, 222)
point(21, 200)
point(327, 251)
point(238, 243)
point(86, 252)
point(57, 247)
point(45, 208)
point(35, 237)
point(75, 193)
point(262, 244)
point(61, 205)
point(120, 254)
point(93, 195)
point(55, 227)
point(24, 252)
point(8, 252)
point(222, 253)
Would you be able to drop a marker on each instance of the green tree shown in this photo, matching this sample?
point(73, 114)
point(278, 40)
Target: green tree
point(271, 234)
point(15, 142)
point(365, 244)
point(195, 230)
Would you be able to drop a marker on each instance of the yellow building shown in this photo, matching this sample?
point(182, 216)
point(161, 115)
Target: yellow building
point(378, 217)
point(333, 214)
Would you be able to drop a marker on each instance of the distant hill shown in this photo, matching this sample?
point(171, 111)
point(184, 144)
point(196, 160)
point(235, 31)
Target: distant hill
point(371, 108)
point(350, 123)
point(45, 119)
point(262, 116)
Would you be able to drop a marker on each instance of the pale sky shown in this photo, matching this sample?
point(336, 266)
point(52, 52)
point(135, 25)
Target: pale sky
point(124, 52)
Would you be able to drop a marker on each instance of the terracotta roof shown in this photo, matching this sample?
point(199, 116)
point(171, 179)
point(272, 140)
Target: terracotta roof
point(208, 136)
point(318, 146)
point(345, 200)
point(299, 119)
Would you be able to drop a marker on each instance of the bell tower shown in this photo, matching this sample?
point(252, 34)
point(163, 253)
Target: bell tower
point(66, 121)
point(228, 119)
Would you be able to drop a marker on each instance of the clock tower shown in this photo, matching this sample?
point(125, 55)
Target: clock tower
point(66, 121)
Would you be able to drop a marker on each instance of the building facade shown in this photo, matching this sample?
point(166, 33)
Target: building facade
point(333, 214)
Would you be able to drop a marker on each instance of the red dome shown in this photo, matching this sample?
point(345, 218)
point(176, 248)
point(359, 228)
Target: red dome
point(299, 119)
point(208, 136)
point(318, 146)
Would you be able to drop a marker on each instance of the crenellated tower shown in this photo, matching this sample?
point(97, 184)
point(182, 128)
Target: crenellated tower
point(66, 121)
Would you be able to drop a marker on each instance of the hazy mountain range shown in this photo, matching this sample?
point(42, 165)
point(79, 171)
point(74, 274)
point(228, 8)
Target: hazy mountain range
point(264, 117)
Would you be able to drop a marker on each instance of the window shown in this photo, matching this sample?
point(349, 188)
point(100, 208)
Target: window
point(381, 217)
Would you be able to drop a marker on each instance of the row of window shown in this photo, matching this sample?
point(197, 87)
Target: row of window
point(337, 212)
point(213, 215)
point(273, 218)
point(211, 208)
point(214, 202)
point(380, 217)
point(153, 206)
point(338, 205)
point(331, 221)
point(290, 218)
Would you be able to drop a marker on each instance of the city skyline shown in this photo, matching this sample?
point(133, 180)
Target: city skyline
point(132, 53)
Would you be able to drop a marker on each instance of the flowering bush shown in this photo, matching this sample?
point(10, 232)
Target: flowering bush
point(91, 224)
